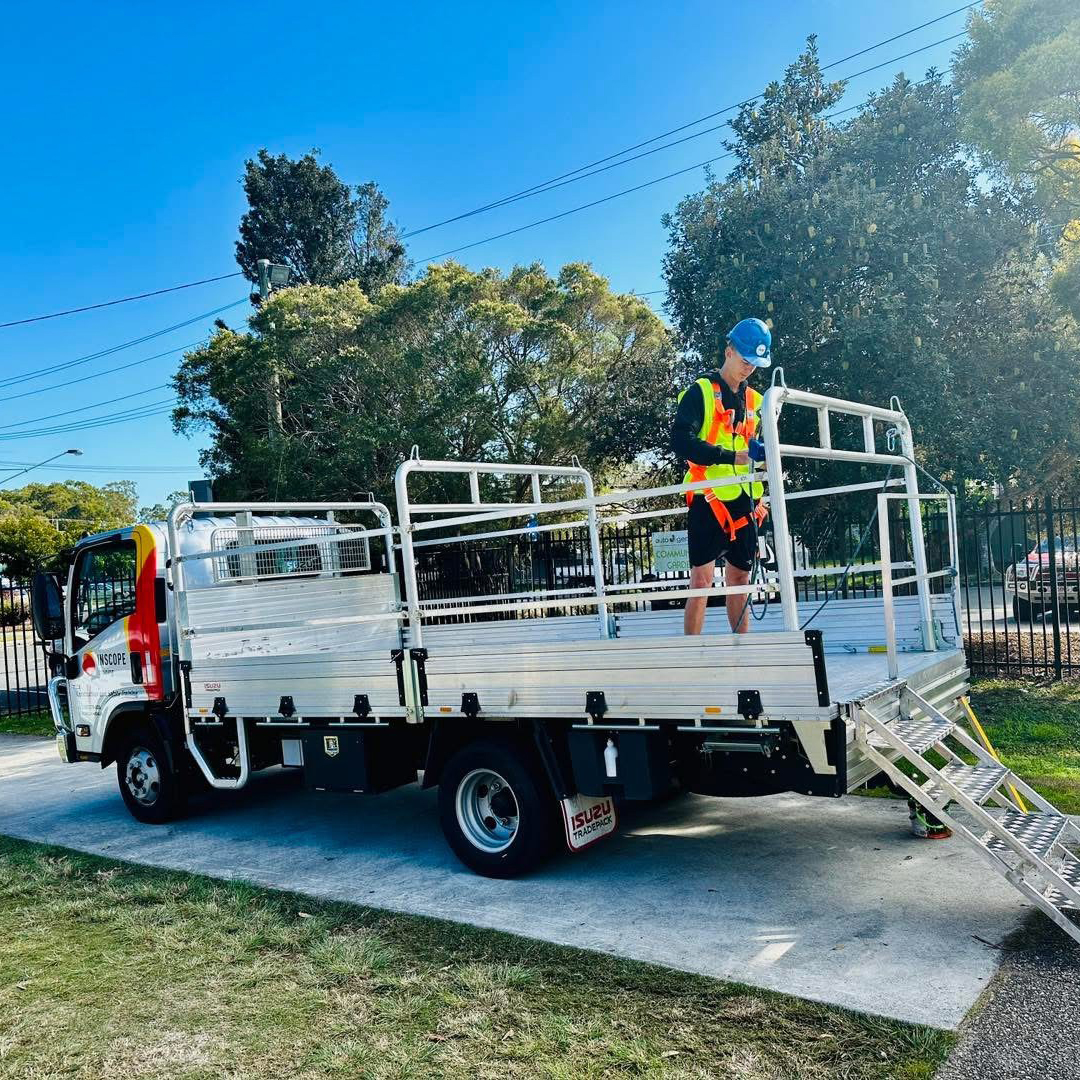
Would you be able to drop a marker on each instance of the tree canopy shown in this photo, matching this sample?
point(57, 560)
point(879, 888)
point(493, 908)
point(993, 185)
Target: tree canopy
point(301, 214)
point(475, 365)
point(39, 521)
point(1019, 73)
point(886, 265)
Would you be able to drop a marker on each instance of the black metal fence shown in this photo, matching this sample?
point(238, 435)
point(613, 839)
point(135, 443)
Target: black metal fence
point(1020, 605)
point(1020, 609)
point(1020, 587)
point(24, 675)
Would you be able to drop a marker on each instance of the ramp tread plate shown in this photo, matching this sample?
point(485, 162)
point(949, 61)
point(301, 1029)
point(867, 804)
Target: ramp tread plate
point(919, 735)
point(977, 782)
point(1070, 871)
point(1038, 833)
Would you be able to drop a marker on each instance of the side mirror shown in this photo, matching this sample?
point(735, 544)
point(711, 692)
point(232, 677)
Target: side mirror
point(46, 607)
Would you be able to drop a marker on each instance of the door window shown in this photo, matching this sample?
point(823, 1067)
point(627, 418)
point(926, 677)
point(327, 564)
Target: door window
point(104, 589)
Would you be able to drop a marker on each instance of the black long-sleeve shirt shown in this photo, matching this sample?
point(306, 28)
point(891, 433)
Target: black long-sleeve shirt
point(690, 416)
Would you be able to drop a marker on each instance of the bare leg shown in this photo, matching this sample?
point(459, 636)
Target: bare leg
point(738, 610)
point(701, 577)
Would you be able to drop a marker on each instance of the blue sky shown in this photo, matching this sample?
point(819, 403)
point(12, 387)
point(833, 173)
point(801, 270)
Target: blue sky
point(126, 130)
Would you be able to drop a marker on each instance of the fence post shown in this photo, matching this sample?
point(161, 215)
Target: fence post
point(1055, 607)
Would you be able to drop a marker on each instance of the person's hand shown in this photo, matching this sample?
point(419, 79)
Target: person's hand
point(742, 457)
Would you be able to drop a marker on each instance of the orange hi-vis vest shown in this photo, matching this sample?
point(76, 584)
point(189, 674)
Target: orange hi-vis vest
point(718, 428)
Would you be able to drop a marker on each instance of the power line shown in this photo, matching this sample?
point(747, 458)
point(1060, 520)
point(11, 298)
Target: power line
point(38, 372)
point(100, 374)
point(108, 371)
point(576, 209)
point(121, 300)
point(84, 408)
point(679, 172)
point(564, 178)
point(139, 469)
point(156, 408)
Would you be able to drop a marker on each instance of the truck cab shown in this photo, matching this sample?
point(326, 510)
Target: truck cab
point(113, 628)
point(114, 632)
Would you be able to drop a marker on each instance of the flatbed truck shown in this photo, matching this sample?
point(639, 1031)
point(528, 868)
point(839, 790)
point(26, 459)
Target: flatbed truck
point(238, 637)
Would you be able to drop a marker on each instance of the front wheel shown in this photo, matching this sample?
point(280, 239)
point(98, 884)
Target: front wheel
point(1024, 610)
point(150, 787)
point(495, 809)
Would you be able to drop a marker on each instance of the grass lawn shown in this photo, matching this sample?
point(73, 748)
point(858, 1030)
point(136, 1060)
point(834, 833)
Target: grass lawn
point(110, 970)
point(1036, 730)
point(38, 723)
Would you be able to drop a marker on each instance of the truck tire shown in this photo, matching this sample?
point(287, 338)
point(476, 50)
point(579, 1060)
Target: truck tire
point(496, 810)
point(151, 789)
point(1023, 611)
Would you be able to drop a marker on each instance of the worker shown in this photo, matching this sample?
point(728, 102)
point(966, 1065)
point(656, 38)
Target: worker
point(715, 431)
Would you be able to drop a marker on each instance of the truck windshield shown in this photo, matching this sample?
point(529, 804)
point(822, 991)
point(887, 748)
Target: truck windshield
point(104, 589)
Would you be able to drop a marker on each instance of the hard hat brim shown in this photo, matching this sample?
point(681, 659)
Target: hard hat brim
point(756, 361)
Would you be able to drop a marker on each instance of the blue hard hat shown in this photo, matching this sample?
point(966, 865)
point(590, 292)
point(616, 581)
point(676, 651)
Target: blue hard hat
point(752, 340)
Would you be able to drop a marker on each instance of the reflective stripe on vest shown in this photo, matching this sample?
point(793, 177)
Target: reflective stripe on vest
point(718, 428)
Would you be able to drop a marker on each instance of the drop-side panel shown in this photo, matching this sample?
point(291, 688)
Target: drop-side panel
point(651, 678)
point(311, 640)
point(283, 617)
point(318, 686)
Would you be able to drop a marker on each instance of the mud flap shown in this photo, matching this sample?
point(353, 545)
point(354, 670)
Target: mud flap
point(587, 819)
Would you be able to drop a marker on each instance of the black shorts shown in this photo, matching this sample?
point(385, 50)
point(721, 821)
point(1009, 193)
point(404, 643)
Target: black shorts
point(708, 541)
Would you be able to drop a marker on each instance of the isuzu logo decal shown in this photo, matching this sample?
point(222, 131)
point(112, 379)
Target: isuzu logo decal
point(588, 819)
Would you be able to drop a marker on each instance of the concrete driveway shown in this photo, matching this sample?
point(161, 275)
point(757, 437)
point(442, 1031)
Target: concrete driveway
point(829, 900)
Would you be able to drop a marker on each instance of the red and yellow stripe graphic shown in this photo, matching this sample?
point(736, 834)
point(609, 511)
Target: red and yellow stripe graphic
point(142, 627)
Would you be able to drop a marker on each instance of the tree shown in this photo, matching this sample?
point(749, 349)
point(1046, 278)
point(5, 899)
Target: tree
point(887, 267)
point(160, 511)
point(40, 521)
point(785, 132)
point(1019, 73)
point(468, 365)
point(301, 214)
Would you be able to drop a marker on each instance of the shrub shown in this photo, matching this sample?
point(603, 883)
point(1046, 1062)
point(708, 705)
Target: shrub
point(13, 612)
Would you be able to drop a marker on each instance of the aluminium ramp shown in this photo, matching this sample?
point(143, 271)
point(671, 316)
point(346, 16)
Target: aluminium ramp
point(1038, 850)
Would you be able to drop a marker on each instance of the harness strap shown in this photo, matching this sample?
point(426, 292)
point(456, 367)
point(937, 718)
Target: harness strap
point(732, 525)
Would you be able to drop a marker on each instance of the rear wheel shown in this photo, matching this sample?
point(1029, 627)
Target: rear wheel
point(150, 787)
point(495, 808)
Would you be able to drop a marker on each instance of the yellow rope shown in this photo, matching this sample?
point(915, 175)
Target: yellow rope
point(990, 750)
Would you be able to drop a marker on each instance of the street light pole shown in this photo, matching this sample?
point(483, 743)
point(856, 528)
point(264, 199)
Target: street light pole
point(31, 468)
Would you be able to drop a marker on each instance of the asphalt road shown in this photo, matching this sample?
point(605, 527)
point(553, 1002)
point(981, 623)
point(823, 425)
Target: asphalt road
point(831, 900)
point(1029, 1025)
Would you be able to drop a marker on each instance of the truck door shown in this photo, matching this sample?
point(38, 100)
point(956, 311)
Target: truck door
point(114, 646)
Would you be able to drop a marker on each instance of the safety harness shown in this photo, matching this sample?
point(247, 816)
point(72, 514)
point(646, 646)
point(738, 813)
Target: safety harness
point(723, 423)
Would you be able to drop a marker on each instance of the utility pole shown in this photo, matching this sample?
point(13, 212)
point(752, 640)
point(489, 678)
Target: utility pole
point(271, 274)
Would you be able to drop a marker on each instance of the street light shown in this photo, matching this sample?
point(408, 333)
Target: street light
point(271, 275)
point(31, 468)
